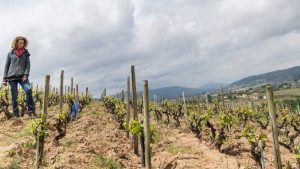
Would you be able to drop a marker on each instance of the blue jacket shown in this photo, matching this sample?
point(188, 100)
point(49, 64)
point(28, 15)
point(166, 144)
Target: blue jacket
point(74, 110)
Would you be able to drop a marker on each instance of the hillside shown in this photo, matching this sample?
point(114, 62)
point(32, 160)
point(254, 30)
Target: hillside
point(290, 75)
point(171, 92)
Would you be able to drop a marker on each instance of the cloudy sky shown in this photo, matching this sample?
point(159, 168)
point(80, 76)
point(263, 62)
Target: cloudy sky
point(171, 42)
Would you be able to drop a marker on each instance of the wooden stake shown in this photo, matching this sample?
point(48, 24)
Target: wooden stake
point(222, 98)
point(207, 99)
point(263, 166)
point(276, 148)
point(86, 92)
point(61, 90)
point(123, 96)
point(71, 85)
point(128, 106)
point(147, 125)
point(104, 93)
point(184, 105)
point(77, 93)
point(134, 106)
point(31, 85)
point(42, 128)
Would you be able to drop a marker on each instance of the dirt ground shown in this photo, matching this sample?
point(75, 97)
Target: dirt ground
point(94, 141)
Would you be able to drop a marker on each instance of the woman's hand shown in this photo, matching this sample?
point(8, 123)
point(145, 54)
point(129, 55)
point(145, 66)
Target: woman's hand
point(25, 77)
point(4, 82)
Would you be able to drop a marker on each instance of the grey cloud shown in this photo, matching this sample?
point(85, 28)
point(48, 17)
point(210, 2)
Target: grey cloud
point(178, 42)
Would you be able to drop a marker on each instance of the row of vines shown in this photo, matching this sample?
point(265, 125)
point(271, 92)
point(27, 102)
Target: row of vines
point(220, 126)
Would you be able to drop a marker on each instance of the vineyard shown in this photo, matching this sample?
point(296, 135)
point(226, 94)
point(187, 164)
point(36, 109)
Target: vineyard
point(238, 132)
point(128, 131)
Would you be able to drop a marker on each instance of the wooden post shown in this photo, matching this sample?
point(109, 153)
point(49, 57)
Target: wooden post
point(77, 99)
point(42, 128)
point(281, 104)
point(72, 86)
point(68, 89)
point(77, 93)
point(276, 148)
point(147, 125)
point(128, 106)
point(263, 166)
point(154, 99)
point(134, 106)
point(207, 99)
point(61, 90)
point(252, 105)
point(86, 92)
point(222, 98)
point(232, 105)
point(102, 95)
point(142, 143)
point(31, 85)
point(123, 96)
point(184, 105)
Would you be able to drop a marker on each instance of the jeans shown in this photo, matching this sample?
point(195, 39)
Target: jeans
point(14, 93)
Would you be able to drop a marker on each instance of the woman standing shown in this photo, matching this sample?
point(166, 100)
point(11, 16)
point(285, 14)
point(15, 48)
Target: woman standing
point(16, 71)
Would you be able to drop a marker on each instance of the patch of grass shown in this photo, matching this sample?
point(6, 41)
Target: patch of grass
point(80, 114)
point(69, 144)
point(30, 144)
point(287, 165)
point(14, 165)
point(293, 91)
point(174, 149)
point(24, 132)
point(96, 113)
point(11, 153)
point(100, 127)
point(107, 163)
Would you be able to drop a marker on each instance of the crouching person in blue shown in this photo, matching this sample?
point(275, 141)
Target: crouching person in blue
point(16, 71)
point(74, 105)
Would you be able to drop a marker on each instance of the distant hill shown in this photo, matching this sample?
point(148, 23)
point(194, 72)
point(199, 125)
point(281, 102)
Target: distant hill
point(212, 86)
point(290, 75)
point(174, 91)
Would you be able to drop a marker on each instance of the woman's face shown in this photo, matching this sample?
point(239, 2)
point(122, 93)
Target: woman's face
point(20, 44)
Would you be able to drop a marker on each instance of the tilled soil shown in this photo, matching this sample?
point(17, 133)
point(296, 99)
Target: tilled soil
point(93, 140)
